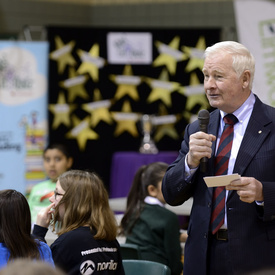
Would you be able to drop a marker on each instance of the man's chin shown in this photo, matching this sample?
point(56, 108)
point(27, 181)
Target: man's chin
point(214, 104)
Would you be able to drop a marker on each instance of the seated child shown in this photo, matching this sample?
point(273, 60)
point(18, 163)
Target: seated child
point(57, 160)
point(148, 224)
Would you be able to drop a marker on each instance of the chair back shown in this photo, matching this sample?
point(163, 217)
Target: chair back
point(142, 267)
point(130, 251)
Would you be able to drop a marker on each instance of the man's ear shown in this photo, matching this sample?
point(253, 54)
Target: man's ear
point(246, 78)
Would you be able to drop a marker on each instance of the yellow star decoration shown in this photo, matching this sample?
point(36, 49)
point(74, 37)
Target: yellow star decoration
point(61, 111)
point(162, 88)
point(165, 129)
point(91, 62)
point(195, 93)
point(75, 85)
point(82, 132)
point(126, 121)
point(127, 84)
point(187, 115)
point(63, 54)
point(196, 55)
point(169, 55)
point(99, 109)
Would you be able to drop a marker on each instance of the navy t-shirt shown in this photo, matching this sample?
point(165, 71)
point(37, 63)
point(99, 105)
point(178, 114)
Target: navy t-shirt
point(77, 252)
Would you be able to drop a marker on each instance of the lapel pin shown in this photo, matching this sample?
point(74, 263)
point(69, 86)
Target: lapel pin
point(260, 132)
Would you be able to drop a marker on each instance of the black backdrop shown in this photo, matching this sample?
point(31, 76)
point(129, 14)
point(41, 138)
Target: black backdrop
point(96, 153)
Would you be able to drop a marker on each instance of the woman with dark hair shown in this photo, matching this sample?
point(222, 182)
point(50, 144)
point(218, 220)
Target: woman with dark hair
point(15, 230)
point(147, 223)
point(85, 224)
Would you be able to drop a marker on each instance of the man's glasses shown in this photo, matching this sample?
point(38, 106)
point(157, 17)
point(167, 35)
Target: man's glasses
point(57, 194)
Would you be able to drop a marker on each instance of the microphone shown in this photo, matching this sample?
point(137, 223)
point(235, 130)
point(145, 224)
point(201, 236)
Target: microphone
point(203, 118)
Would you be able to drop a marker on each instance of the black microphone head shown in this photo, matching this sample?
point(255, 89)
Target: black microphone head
point(203, 118)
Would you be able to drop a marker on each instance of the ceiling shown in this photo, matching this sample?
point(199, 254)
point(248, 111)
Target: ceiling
point(114, 2)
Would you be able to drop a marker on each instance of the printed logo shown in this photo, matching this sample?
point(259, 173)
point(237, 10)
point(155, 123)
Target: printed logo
point(87, 268)
point(107, 265)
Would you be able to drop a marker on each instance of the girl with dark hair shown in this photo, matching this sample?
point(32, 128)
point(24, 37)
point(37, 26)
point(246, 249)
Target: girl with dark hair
point(15, 231)
point(85, 224)
point(147, 223)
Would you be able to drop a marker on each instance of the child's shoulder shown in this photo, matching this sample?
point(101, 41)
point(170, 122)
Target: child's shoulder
point(161, 210)
point(43, 184)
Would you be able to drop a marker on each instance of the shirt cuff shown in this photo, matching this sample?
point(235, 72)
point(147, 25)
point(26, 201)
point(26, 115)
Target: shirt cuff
point(260, 203)
point(189, 172)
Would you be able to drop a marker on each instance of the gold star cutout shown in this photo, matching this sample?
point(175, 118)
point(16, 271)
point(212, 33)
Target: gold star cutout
point(127, 84)
point(61, 111)
point(126, 121)
point(82, 132)
point(196, 55)
point(75, 85)
point(167, 129)
point(162, 88)
point(188, 117)
point(91, 62)
point(195, 93)
point(63, 54)
point(169, 55)
point(99, 109)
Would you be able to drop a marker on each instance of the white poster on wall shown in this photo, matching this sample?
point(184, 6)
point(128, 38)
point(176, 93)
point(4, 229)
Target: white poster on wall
point(23, 113)
point(255, 21)
point(129, 48)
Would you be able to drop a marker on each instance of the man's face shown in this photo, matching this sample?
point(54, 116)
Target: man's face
point(224, 89)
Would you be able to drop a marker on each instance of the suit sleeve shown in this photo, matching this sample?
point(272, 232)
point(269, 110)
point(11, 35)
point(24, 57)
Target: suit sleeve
point(269, 201)
point(172, 244)
point(175, 188)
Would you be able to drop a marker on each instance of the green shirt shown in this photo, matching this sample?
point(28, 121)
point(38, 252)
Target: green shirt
point(39, 197)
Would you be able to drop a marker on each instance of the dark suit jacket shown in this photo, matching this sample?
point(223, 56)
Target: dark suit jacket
point(251, 228)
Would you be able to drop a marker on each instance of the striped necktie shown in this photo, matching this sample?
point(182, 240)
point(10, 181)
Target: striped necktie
point(221, 168)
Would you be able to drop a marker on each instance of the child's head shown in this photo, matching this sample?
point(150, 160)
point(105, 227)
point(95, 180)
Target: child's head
point(151, 180)
point(147, 182)
point(15, 216)
point(57, 160)
point(15, 225)
point(25, 266)
point(81, 199)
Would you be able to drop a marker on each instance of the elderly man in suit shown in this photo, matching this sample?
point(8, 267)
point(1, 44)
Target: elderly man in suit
point(240, 237)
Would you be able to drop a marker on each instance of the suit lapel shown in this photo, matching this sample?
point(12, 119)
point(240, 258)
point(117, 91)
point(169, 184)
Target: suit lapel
point(213, 129)
point(253, 139)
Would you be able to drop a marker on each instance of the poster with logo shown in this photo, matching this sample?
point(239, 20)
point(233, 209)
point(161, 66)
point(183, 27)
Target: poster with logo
point(256, 30)
point(23, 113)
